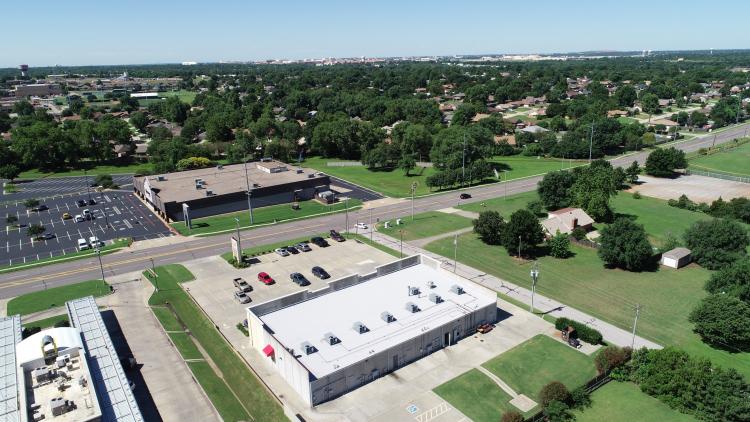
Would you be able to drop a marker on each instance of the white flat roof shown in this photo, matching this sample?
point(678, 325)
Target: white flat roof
point(10, 335)
point(338, 311)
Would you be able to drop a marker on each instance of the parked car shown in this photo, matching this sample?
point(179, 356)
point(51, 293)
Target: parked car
point(242, 285)
point(48, 236)
point(337, 236)
point(66, 216)
point(464, 196)
point(266, 279)
point(320, 272)
point(299, 279)
point(361, 226)
point(81, 203)
point(319, 241)
point(281, 251)
point(95, 242)
point(79, 218)
point(86, 214)
point(92, 202)
point(573, 342)
point(291, 249)
point(303, 246)
point(40, 208)
point(241, 297)
point(83, 245)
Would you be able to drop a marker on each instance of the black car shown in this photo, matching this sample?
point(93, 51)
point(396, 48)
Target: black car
point(40, 208)
point(299, 279)
point(319, 241)
point(48, 236)
point(320, 273)
point(81, 203)
point(464, 196)
point(337, 236)
point(92, 202)
point(292, 250)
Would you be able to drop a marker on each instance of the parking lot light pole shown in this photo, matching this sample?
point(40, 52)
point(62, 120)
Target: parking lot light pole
point(249, 194)
point(534, 277)
point(455, 252)
point(101, 267)
point(346, 211)
point(239, 242)
point(401, 244)
point(156, 277)
point(86, 181)
point(372, 228)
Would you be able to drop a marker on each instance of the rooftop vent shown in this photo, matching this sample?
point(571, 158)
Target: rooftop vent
point(331, 339)
point(310, 176)
point(412, 307)
point(457, 289)
point(360, 328)
point(299, 171)
point(266, 160)
point(308, 348)
point(209, 193)
point(413, 291)
point(161, 178)
point(256, 185)
point(435, 298)
point(431, 284)
point(387, 317)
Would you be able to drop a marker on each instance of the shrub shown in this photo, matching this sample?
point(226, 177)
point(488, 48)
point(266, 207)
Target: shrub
point(723, 321)
point(554, 391)
point(585, 333)
point(732, 280)
point(489, 227)
point(578, 233)
point(716, 243)
point(625, 245)
point(105, 181)
point(579, 398)
point(30, 203)
point(611, 357)
point(559, 245)
point(63, 323)
point(636, 195)
point(558, 411)
point(535, 207)
point(512, 416)
point(242, 264)
point(243, 329)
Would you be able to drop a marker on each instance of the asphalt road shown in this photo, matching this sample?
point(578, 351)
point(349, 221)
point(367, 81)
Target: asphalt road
point(15, 283)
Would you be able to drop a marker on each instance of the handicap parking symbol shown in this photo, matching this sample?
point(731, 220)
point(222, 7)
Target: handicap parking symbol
point(412, 408)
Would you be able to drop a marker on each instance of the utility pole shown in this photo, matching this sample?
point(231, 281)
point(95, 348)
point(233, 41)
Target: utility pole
point(346, 211)
point(413, 189)
point(401, 244)
point(156, 277)
point(534, 277)
point(249, 192)
point(591, 142)
point(372, 228)
point(239, 242)
point(463, 161)
point(99, 255)
point(519, 247)
point(86, 181)
point(635, 323)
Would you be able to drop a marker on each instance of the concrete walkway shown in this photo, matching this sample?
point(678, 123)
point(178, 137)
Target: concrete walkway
point(611, 333)
point(523, 403)
point(425, 240)
point(462, 213)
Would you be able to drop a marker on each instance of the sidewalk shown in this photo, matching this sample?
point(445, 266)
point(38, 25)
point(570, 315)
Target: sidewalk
point(611, 333)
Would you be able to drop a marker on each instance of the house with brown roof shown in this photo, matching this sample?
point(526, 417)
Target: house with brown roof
point(565, 220)
point(617, 113)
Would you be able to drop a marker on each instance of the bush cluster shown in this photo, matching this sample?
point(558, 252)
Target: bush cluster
point(585, 333)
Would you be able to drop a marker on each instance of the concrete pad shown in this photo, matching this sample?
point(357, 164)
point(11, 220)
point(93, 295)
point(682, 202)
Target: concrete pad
point(523, 403)
point(586, 348)
point(697, 188)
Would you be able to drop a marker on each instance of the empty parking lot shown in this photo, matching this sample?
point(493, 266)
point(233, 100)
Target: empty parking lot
point(117, 214)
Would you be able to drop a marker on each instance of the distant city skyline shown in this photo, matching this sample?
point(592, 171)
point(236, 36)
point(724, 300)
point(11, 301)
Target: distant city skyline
point(91, 32)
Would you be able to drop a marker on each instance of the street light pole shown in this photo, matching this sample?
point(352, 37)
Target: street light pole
point(519, 246)
point(239, 242)
point(372, 228)
point(86, 181)
point(101, 267)
point(346, 212)
point(635, 323)
point(413, 189)
point(534, 277)
point(455, 252)
point(401, 244)
point(249, 193)
point(156, 277)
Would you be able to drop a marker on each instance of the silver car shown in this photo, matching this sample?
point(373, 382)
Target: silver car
point(303, 246)
point(241, 297)
point(281, 251)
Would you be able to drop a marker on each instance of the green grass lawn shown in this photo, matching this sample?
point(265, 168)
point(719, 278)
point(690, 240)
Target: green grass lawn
point(233, 378)
point(185, 346)
point(626, 120)
point(184, 95)
point(55, 297)
point(113, 247)
point(263, 215)
point(425, 225)
point(46, 322)
point(731, 160)
point(504, 205)
point(476, 396)
point(519, 166)
point(624, 402)
point(531, 365)
point(667, 295)
point(91, 170)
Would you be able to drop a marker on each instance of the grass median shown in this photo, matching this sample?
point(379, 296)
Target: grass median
point(55, 297)
point(231, 386)
point(261, 216)
point(426, 224)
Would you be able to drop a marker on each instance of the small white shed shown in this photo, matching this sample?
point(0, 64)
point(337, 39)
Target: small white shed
point(676, 258)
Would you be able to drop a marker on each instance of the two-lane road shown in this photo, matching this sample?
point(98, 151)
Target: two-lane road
point(15, 283)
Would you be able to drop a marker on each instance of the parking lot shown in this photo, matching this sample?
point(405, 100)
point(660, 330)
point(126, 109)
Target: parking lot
point(116, 214)
point(58, 186)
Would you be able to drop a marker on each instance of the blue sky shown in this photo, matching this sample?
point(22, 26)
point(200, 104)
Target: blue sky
point(78, 32)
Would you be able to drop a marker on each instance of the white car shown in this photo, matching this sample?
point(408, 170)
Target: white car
point(94, 241)
point(361, 226)
point(79, 218)
point(281, 251)
point(83, 245)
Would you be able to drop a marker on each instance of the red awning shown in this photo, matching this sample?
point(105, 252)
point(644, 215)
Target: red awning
point(268, 350)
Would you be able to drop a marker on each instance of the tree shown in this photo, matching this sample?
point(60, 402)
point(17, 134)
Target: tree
point(626, 96)
point(523, 232)
point(191, 163)
point(463, 114)
point(715, 243)
point(554, 189)
point(35, 230)
point(23, 108)
point(733, 280)
point(663, 161)
point(10, 219)
point(650, 103)
point(559, 245)
point(611, 357)
point(490, 227)
point(31, 203)
point(624, 244)
point(448, 150)
point(553, 391)
point(407, 163)
point(557, 411)
point(105, 181)
point(139, 120)
point(632, 172)
point(512, 416)
point(723, 321)
point(9, 171)
point(593, 187)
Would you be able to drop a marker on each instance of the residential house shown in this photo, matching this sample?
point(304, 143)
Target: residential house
point(565, 220)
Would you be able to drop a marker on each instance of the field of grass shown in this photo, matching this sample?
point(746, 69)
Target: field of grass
point(732, 160)
point(622, 401)
point(234, 390)
point(667, 296)
point(476, 396)
point(518, 166)
point(263, 215)
point(184, 95)
point(504, 205)
point(113, 247)
point(46, 322)
point(425, 225)
point(626, 120)
point(55, 296)
point(91, 170)
point(531, 365)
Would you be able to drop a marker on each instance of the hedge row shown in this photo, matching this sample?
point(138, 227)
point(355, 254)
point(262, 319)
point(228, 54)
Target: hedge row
point(584, 332)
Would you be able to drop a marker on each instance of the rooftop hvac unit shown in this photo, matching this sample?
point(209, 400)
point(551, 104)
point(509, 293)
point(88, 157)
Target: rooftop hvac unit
point(256, 185)
point(412, 307)
point(331, 339)
point(413, 291)
point(161, 178)
point(209, 193)
point(457, 289)
point(266, 160)
point(308, 348)
point(310, 176)
point(360, 328)
point(435, 298)
point(431, 284)
point(299, 171)
point(387, 317)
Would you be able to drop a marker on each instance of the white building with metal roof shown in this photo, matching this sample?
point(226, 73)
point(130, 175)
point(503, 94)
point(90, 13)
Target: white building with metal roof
point(333, 340)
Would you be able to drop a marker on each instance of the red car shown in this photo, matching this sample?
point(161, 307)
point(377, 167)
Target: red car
point(265, 278)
